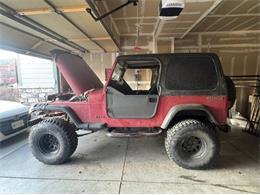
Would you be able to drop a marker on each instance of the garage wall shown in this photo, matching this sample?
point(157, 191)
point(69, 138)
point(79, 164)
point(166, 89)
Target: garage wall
point(239, 53)
point(99, 62)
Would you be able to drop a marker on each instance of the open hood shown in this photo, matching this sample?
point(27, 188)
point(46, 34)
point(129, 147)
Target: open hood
point(76, 72)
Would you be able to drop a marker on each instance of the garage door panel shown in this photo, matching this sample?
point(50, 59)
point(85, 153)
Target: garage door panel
point(58, 24)
point(24, 4)
point(12, 38)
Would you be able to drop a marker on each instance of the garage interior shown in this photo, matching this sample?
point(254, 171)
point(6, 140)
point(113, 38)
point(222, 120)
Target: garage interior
point(229, 28)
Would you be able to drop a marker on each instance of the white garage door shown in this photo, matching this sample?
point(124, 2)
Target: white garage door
point(35, 72)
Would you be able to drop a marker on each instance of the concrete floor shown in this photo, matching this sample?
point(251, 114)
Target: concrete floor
point(137, 165)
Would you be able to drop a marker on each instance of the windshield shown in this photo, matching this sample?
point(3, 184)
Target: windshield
point(118, 72)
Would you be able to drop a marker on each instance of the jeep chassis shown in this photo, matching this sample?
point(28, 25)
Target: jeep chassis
point(188, 98)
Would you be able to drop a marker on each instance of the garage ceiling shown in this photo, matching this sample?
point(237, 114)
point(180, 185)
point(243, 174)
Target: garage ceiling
point(145, 15)
point(197, 16)
point(64, 24)
point(24, 24)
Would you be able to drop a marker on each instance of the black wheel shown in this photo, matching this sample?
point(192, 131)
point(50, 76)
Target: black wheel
point(192, 144)
point(53, 141)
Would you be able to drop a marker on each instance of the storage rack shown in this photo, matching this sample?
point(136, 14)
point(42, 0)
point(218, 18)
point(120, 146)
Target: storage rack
point(253, 82)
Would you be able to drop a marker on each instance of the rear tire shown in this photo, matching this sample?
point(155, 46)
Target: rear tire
point(231, 91)
point(192, 144)
point(53, 141)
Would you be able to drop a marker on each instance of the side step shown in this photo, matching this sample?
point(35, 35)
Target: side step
point(133, 132)
point(92, 126)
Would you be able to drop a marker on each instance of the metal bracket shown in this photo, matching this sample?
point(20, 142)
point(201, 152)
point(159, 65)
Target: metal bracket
point(134, 2)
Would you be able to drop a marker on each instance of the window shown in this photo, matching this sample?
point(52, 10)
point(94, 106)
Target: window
point(191, 73)
point(138, 79)
point(135, 78)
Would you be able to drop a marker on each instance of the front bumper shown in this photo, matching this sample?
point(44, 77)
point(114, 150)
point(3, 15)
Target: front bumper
point(34, 121)
point(4, 137)
point(29, 125)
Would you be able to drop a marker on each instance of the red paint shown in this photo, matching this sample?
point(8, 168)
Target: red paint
point(81, 78)
point(94, 109)
point(77, 73)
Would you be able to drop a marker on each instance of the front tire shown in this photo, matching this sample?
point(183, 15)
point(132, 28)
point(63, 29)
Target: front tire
point(192, 144)
point(53, 141)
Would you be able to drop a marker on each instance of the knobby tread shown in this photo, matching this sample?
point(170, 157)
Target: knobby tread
point(68, 129)
point(171, 133)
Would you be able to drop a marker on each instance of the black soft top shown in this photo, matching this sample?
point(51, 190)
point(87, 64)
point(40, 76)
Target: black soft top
point(163, 58)
point(178, 78)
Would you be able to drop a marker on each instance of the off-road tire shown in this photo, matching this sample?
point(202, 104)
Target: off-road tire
point(54, 130)
point(231, 91)
point(190, 128)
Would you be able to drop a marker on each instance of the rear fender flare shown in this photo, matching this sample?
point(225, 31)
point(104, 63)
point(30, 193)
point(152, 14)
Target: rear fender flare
point(186, 107)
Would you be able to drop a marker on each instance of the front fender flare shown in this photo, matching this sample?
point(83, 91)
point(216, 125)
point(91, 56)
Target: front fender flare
point(185, 107)
point(60, 108)
point(72, 115)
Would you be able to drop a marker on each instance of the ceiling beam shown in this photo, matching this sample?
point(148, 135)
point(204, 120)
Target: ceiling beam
point(233, 45)
point(47, 10)
point(233, 15)
point(152, 17)
point(91, 39)
point(179, 22)
point(239, 32)
point(238, 50)
point(204, 15)
point(205, 46)
point(158, 28)
point(237, 39)
point(134, 34)
point(135, 18)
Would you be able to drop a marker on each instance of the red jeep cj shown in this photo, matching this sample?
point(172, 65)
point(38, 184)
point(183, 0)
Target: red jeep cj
point(188, 97)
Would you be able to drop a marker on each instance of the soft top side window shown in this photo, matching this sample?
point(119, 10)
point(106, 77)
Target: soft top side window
point(191, 73)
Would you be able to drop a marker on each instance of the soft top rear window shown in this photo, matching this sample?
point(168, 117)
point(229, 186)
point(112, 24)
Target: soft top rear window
point(191, 73)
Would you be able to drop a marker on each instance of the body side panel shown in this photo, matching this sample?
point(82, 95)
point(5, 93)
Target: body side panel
point(94, 110)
